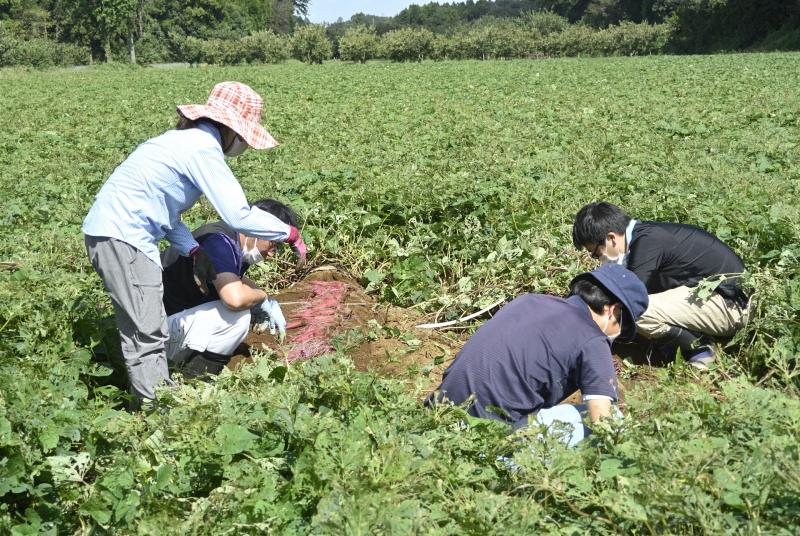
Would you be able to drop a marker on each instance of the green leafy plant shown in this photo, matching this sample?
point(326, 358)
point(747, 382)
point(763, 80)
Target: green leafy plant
point(445, 187)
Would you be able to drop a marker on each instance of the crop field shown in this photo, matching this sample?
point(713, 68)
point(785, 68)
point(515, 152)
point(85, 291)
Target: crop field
point(440, 188)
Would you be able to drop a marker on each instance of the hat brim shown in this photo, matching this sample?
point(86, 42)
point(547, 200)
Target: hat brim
point(252, 132)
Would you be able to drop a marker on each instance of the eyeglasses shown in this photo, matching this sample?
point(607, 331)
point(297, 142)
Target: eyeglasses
point(595, 254)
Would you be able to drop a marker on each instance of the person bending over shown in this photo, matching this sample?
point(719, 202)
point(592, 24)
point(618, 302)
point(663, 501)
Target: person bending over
point(142, 202)
point(206, 328)
point(670, 259)
point(539, 349)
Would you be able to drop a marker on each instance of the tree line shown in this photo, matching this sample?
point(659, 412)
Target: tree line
point(47, 32)
point(698, 26)
point(154, 29)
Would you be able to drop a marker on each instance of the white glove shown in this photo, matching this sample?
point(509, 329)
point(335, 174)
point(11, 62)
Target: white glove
point(268, 314)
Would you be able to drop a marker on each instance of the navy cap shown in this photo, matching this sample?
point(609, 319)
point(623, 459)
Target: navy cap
point(627, 288)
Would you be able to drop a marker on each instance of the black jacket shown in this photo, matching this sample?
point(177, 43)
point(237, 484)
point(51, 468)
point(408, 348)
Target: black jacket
point(669, 255)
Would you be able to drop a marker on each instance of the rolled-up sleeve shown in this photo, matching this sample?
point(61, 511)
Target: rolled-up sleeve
point(212, 176)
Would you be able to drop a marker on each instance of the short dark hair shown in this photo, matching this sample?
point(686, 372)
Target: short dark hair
point(595, 220)
point(593, 293)
point(279, 210)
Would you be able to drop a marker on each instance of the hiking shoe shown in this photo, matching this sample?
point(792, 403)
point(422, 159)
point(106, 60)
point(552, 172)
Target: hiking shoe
point(701, 357)
point(202, 366)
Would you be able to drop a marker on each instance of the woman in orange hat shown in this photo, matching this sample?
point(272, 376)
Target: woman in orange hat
point(142, 202)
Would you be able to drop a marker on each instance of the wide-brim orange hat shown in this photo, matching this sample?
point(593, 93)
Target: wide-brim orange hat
point(237, 106)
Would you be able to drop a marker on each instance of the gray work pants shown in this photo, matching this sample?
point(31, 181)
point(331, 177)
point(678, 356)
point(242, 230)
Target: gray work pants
point(134, 283)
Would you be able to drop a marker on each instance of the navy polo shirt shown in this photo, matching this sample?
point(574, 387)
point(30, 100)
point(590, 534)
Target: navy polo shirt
point(180, 290)
point(533, 353)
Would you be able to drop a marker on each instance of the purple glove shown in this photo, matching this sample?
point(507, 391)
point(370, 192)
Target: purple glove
point(297, 244)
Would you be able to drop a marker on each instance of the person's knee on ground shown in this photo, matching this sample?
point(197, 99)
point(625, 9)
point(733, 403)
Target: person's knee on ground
point(203, 339)
point(696, 348)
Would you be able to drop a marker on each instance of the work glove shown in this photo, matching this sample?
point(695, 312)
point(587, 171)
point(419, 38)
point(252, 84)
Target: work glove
point(297, 244)
point(202, 269)
point(268, 314)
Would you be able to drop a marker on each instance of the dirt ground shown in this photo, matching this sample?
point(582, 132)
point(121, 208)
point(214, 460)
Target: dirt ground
point(329, 310)
point(378, 338)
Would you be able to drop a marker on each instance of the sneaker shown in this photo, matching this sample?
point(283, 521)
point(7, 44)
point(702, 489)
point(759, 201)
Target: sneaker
point(702, 357)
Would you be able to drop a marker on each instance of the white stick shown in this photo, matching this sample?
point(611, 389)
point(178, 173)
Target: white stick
point(462, 319)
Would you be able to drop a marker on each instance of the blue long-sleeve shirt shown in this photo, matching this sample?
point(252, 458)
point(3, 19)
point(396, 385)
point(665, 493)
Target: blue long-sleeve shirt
point(143, 199)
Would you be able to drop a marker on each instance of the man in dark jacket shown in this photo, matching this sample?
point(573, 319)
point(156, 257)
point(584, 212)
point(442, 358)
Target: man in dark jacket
point(671, 259)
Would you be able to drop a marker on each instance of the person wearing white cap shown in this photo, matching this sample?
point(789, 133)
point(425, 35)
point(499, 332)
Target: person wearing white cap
point(142, 202)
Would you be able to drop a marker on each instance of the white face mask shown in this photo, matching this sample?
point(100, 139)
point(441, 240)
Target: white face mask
point(251, 255)
point(619, 259)
point(237, 147)
point(612, 337)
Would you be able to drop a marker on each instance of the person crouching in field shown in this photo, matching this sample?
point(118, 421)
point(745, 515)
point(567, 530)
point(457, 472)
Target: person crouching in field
point(142, 202)
point(539, 349)
point(670, 259)
point(206, 329)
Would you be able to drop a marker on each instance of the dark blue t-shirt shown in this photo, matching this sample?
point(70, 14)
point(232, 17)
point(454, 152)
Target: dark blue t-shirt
point(180, 291)
point(533, 353)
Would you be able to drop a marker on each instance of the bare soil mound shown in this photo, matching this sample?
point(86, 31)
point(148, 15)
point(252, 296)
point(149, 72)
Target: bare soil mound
point(329, 310)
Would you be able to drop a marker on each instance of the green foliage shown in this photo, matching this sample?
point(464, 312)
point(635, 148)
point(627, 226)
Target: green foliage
point(787, 37)
point(153, 49)
point(264, 47)
point(39, 52)
point(495, 40)
point(358, 44)
point(407, 44)
point(260, 47)
point(446, 186)
point(626, 39)
point(310, 44)
point(148, 31)
point(714, 25)
point(544, 22)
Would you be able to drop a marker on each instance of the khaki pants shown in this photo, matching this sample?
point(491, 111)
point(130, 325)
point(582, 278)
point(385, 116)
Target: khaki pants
point(678, 307)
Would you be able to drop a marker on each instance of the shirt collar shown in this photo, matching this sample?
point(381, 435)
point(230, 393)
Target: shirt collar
point(577, 301)
point(629, 234)
point(628, 239)
point(207, 126)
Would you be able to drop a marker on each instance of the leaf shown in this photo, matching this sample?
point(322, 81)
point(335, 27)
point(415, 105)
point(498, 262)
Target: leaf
point(373, 276)
point(731, 498)
point(48, 438)
point(233, 439)
point(98, 509)
point(609, 468)
point(163, 476)
point(99, 370)
point(7, 436)
point(69, 468)
point(278, 373)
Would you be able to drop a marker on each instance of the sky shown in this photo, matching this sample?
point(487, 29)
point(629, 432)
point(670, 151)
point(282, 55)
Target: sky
point(330, 10)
